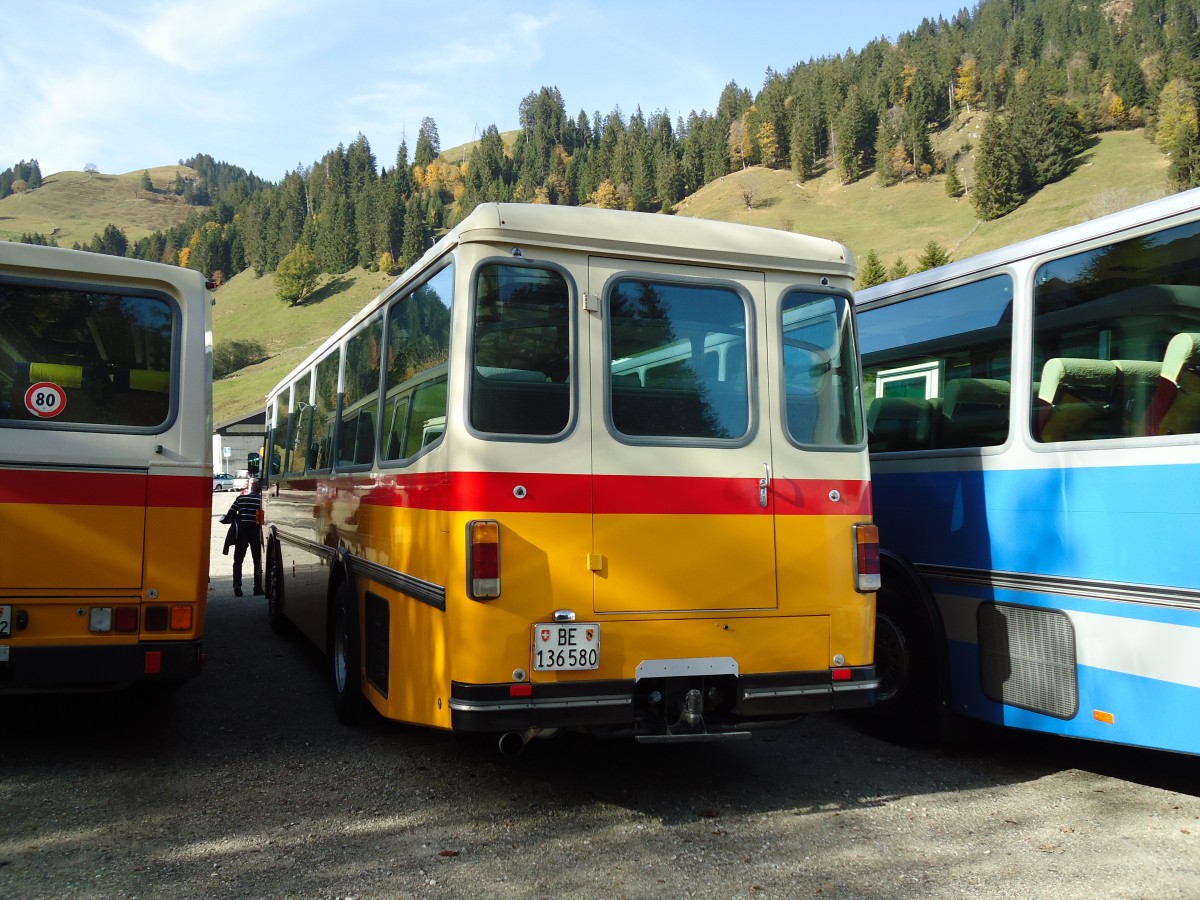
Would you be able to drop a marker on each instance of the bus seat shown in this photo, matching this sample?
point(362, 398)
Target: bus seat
point(899, 423)
point(1176, 405)
point(974, 413)
point(1136, 383)
point(1075, 399)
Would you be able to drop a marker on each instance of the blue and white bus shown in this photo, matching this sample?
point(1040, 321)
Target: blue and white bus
point(1034, 426)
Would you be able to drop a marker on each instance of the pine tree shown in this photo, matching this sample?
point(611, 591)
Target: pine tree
point(954, 185)
point(898, 270)
point(933, 256)
point(872, 272)
point(997, 188)
point(429, 145)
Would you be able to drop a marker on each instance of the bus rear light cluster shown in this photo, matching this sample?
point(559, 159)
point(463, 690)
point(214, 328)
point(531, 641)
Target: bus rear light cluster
point(866, 558)
point(124, 619)
point(168, 618)
point(483, 552)
point(109, 619)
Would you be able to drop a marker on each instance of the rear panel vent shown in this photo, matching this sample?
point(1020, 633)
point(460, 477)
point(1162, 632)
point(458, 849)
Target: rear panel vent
point(1027, 658)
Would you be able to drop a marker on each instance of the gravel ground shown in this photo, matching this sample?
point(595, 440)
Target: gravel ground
point(244, 785)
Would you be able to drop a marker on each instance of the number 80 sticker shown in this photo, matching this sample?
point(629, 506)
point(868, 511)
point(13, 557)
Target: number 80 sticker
point(45, 399)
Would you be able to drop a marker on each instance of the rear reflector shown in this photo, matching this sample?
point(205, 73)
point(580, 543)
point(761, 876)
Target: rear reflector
point(842, 674)
point(866, 558)
point(483, 551)
point(181, 618)
point(126, 619)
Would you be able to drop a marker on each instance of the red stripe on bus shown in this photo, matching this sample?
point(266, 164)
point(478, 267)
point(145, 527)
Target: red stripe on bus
point(619, 494)
point(34, 486)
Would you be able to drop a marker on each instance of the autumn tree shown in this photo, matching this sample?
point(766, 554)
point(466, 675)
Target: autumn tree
point(296, 275)
point(966, 85)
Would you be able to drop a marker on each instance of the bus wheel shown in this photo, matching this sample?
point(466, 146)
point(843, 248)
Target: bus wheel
point(344, 659)
point(905, 707)
point(274, 590)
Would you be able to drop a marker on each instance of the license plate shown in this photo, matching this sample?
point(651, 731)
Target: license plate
point(561, 647)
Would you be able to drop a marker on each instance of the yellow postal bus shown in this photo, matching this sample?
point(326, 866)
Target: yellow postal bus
point(584, 469)
point(105, 469)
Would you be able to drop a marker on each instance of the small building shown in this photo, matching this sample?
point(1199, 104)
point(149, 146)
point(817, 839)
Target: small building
point(234, 440)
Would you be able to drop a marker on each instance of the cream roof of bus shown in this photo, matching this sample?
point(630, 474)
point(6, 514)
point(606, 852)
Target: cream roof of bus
point(630, 235)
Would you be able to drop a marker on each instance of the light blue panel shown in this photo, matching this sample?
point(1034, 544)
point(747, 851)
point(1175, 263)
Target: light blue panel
point(1136, 524)
point(1146, 712)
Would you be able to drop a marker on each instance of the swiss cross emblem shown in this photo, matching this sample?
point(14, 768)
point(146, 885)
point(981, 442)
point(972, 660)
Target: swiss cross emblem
point(545, 634)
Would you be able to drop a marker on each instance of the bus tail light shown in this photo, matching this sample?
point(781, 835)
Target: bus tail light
point(866, 558)
point(483, 546)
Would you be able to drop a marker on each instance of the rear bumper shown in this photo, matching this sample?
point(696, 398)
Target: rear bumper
point(653, 705)
point(31, 669)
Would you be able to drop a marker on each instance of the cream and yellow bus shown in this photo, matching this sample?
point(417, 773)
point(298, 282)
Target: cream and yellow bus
point(105, 469)
point(584, 469)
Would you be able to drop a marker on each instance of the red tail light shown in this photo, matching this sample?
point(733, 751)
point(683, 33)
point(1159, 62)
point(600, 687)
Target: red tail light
point(866, 558)
point(483, 546)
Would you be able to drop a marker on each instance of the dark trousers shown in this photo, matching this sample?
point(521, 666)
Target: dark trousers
point(248, 536)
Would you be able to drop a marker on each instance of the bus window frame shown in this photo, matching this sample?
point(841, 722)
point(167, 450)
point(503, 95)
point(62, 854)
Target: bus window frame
point(1018, 384)
point(573, 327)
point(362, 404)
point(388, 462)
point(750, 337)
point(817, 290)
point(177, 318)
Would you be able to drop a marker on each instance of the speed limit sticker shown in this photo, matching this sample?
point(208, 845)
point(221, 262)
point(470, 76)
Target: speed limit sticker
point(45, 399)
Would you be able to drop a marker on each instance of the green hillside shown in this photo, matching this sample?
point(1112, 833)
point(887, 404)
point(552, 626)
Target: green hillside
point(247, 309)
point(71, 207)
point(1121, 170)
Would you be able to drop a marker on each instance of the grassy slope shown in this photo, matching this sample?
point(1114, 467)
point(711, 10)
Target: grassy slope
point(247, 309)
point(73, 206)
point(1121, 170)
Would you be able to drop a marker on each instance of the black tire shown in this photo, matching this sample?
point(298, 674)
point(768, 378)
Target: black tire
point(345, 658)
point(906, 702)
point(273, 588)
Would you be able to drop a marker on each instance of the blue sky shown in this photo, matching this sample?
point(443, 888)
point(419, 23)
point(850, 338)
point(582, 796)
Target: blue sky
point(272, 84)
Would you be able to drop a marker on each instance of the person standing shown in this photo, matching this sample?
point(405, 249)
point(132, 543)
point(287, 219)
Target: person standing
point(246, 511)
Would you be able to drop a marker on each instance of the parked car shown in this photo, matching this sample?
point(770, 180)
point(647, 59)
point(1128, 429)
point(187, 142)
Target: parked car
point(223, 481)
point(241, 480)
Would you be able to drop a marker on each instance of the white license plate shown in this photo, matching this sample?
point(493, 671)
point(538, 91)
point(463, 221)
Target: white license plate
point(566, 647)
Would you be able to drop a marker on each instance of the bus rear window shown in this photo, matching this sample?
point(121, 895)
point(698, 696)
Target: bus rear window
point(521, 353)
point(678, 360)
point(85, 358)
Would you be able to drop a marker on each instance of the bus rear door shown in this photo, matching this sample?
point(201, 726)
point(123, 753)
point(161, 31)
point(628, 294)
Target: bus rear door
point(682, 511)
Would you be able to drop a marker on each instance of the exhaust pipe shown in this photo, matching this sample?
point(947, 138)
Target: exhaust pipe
point(511, 743)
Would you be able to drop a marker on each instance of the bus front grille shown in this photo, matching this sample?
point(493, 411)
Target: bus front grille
point(1027, 658)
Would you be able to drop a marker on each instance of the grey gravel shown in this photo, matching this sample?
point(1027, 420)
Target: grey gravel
point(244, 785)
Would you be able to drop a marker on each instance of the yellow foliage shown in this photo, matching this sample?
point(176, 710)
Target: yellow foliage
point(184, 255)
point(605, 196)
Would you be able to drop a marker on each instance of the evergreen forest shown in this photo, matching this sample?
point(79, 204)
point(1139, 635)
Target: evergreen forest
point(1049, 75)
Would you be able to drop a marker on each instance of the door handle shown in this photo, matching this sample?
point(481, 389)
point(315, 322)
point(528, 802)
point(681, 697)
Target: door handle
point(763, 484)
